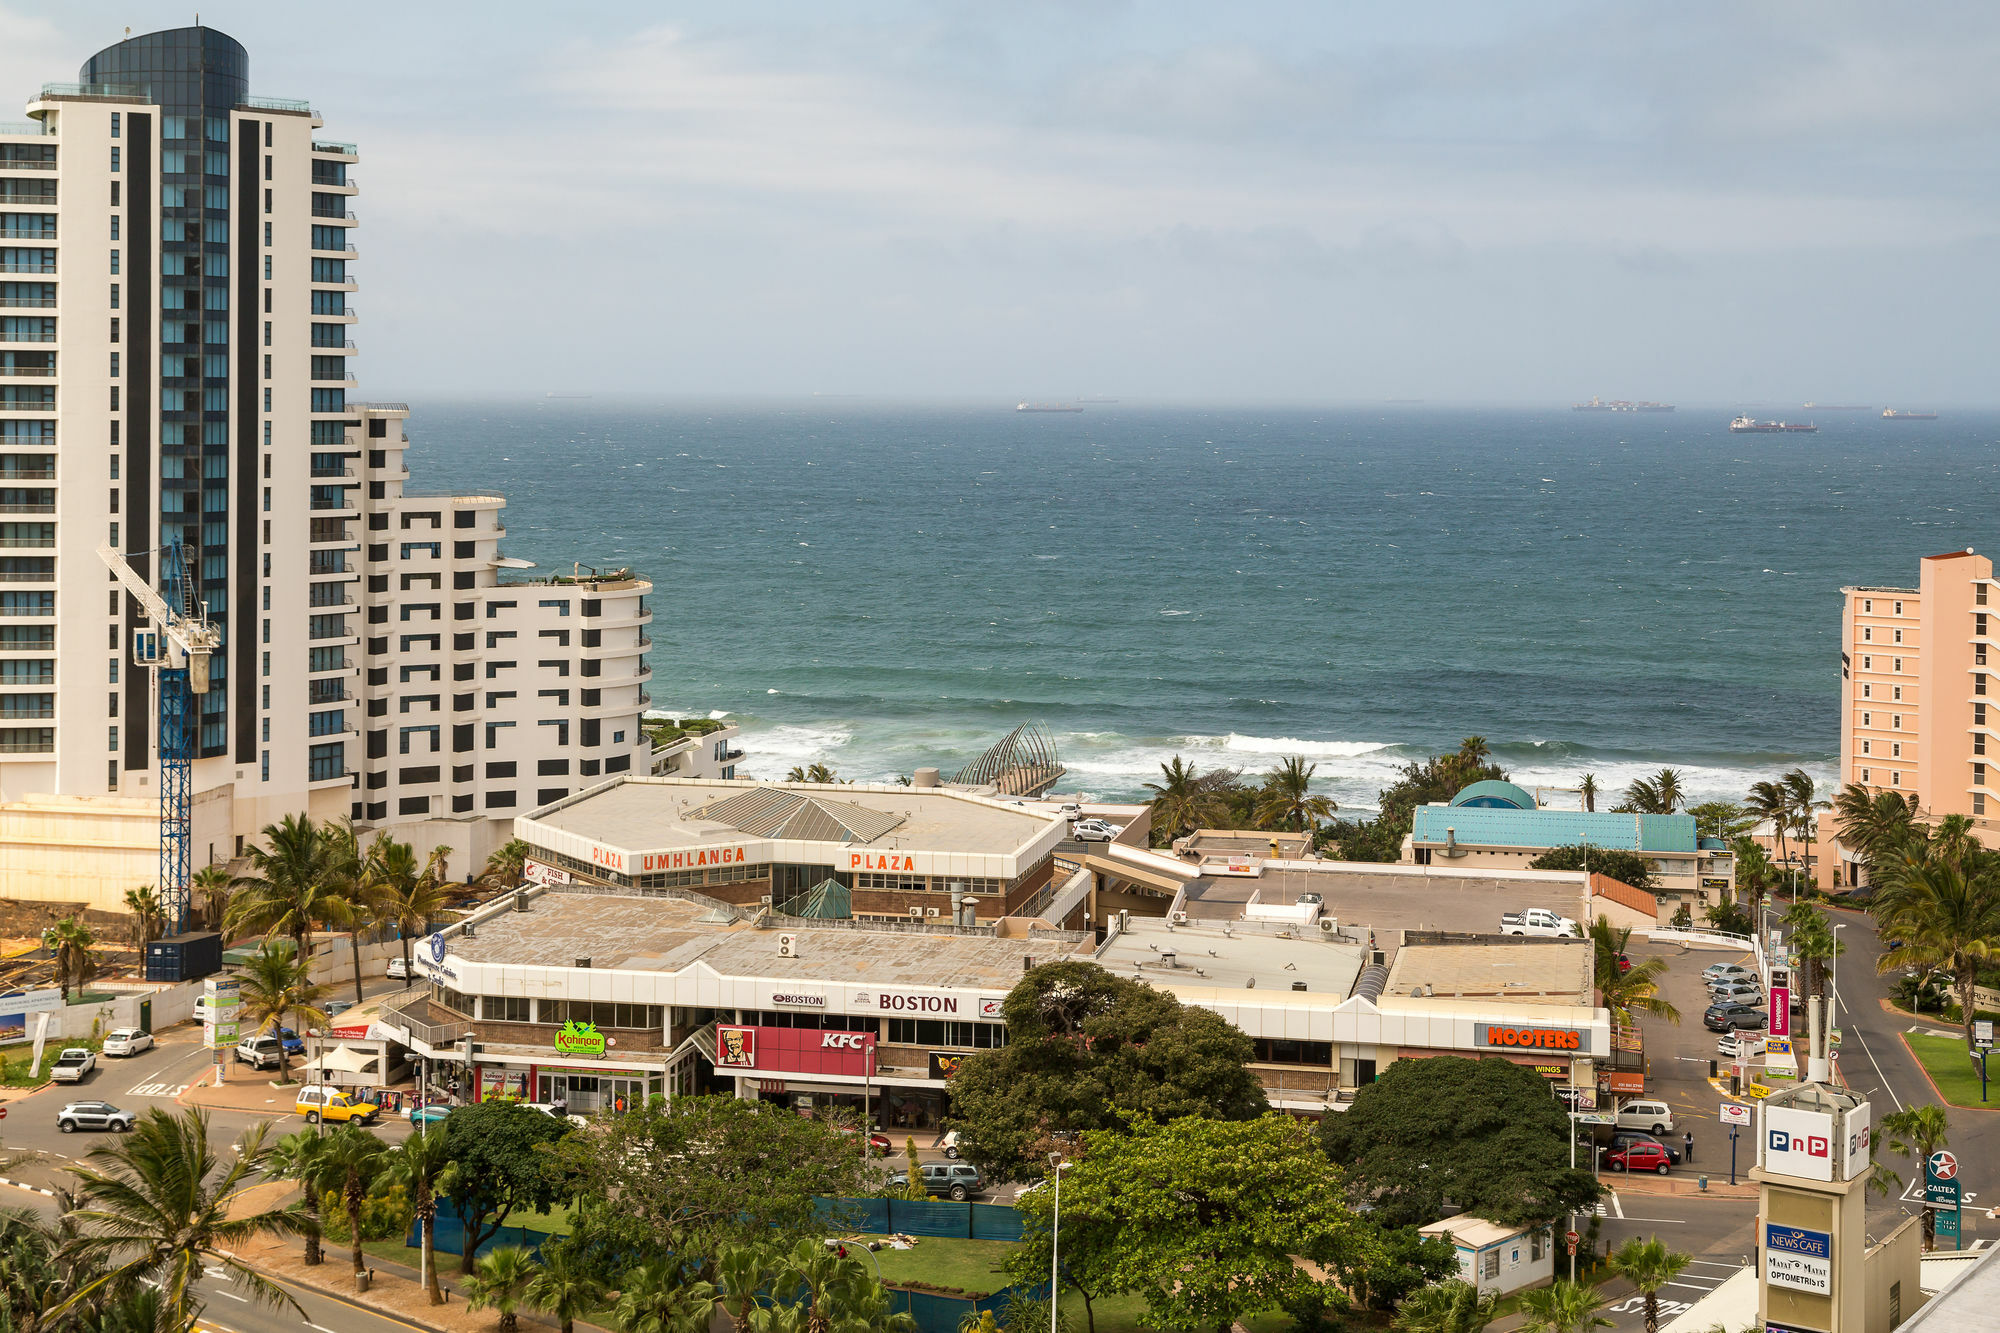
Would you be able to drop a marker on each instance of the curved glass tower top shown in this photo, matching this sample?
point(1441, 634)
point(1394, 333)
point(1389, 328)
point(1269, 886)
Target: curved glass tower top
point(178, 68)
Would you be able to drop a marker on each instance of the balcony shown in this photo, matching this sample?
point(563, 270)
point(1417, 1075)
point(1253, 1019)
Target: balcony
point(290, 104)
point(347, 219)
point(47, 405)
point(27, 266)
point(27, 474)
point(332, 472)
point(334, 148)
point(42, 507)
point(431, 1024)
point(27, 302)
point(320, 666)
point(31, 372)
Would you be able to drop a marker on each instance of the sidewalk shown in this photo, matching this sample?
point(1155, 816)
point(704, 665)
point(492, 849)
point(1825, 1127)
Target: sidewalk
point(254, 1093)
point(1682, 1183)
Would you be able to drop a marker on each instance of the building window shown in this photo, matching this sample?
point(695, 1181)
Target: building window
point(1895, 1304)
point(1867, 663)
point(1979, 803)
point(1867, 606)
point(1896, 636)
point(1895, 749)
point(1867, 634)
point(1867, 690)
point(1489, 1263)
point(1867, 720)
point(1895, 778)
point(561, 608)
point(1896, 665)
point(1864, 777)
point(1864, 747)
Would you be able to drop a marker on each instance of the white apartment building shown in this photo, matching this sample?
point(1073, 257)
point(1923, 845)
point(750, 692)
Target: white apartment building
point(176, 343)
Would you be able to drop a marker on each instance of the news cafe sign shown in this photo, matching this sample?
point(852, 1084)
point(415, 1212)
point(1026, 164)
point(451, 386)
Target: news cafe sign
point(1797, 1258)
point(1505, 1037)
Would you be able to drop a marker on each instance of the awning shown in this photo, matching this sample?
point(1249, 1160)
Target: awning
point(344, 1059)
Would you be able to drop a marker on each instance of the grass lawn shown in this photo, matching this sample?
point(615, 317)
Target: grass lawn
point(1120, 1314)
point(971, 1266)
point(1944, 1059)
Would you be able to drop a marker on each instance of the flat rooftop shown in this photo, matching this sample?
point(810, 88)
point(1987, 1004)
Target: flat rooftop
point(667, 934)
point(1388, 901)
point(1483, 826)
point(1209, 843)
point(1535, 971)
point(1259, 955)
point(660, 814)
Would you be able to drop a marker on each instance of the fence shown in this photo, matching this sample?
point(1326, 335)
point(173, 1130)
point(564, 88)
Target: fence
point(915, 1217)
point(449, 1237)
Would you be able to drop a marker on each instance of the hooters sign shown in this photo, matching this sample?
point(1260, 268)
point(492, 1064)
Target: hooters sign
point(795, 1050)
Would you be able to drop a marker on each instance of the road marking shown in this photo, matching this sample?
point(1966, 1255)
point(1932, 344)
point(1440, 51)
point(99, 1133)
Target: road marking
point(1709, 1263)
point(158, 1090)
point(1616, 1206)
point(234, 1297)
point(1863, 1042)
point(1677, 1221)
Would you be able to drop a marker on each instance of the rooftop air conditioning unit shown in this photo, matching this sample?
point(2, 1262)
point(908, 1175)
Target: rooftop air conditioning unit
point(917, 912)
point(788, 946)
point(583, 962)
point(1329, 926)
point(465, 931)
point(1298, 985)
point(1180, 918)
point(930, 911)
point(521, 901)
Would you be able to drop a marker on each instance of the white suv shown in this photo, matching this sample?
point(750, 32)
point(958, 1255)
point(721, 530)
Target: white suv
point(1653, 1117)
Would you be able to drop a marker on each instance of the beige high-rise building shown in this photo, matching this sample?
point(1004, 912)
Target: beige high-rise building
point(176, 352)
point(1916, 690)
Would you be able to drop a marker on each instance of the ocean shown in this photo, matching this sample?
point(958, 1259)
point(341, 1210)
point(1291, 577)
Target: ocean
point(879, 586)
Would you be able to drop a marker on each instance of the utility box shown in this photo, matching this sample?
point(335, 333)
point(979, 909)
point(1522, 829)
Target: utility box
point(188, 957)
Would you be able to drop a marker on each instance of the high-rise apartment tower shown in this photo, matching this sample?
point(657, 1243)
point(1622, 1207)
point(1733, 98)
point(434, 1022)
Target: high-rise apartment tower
point(176, 351)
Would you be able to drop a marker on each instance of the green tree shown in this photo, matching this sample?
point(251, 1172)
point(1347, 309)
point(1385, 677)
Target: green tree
point(1659, 794)
point(1946, 916)
point(353, 1159)
point(1563, 1307)
point(501, 1159)
point(1449, 1307)
point(1876, 826)
point(156, 1207)
point(1483, 1134)
point(913, 1181)
point(498, 1280)
point(742, 1273)
point(1755, 875)
point(1199, 1217)
point(816, 773)
point(1184, 800)
point(1395, 1262)
point(406, 896)
point(506, 864)
point(421, 1161)
point(1433, 780)
point(1623, 866)
point(1813, 940)
point(212, 886)
point(69, 942)
point(1915, 1133)
point(299, 1156)
point(144, 904)
point(1772, 803)
point(1802, 807)
point(1724, 820)
point(564, 1286)
point(1632, 990)
point(697, 1173)
point(295, 881)
point(1648, 1265)
point(276, 986)
point(1287, 797)
point(656, 1297)
point(1587, 789)
point(1085, 1046)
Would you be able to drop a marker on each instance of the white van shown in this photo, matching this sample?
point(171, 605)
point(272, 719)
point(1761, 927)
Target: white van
point(1653, 1117)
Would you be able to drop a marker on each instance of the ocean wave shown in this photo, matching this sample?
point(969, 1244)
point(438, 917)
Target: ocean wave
point(1287, 745)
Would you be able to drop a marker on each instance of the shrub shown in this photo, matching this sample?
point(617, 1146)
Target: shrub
point(386, 1213)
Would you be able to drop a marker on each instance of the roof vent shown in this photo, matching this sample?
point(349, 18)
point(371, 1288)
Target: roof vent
point(583, 962)
point(1298, 985)
point(521, 901)
point(1027, 962)
point(465, 931)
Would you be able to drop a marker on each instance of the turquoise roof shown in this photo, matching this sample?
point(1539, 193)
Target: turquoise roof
point(1484, 827)
point(1495, 793)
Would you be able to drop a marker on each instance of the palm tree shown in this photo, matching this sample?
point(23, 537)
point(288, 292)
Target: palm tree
point(1288, 797)
point(297, 1156)
point(1803, 805)
point(1721, 819)
point(1181, 802)
point(1951, 842)
point(1588, 790)
point(816, 773)
point(353, 1157)
point(656, 1297)
point(498, 1280)
point(1636, 990)
point(564, 1286)
point(213, 884)
point(68, 942)
point(741, 1271)
point(1771, 801)
point(1915, 1133)
point(294, 882)
point(157, 1209)
point(1446, 1307)
point(1648, 1265)
point(274, 985)
point(1563, 1307)
point(421, 1161)
point(1814, 942)
point(505, 865)
point(144, 904)
point(1945, 915)
point(406, 897)
point(1875, 826)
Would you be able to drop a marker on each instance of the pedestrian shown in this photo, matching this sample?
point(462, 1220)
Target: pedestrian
point(1687, 1153)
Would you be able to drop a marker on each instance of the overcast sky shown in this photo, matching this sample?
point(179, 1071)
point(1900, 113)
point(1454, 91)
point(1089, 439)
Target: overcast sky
point(1226, 202)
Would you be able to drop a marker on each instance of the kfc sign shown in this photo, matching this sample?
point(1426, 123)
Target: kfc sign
point(795, 1051)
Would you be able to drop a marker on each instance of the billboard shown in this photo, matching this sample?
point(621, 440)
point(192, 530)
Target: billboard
point(795, 1050)
point(1797, 1143)
point(1797, 1258)
point(1781, 1011)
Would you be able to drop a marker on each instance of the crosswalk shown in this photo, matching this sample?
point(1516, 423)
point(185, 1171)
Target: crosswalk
point(1700, 1277)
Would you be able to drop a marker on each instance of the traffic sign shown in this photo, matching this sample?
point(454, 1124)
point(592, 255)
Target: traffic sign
point(1982, 1032)
point(3, 1113)
point(1570, 1238)
point(1732, 1114)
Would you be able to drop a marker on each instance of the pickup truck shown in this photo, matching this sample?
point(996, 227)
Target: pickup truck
point(72, 1065)
point(1537, 921)
point(261, 1052)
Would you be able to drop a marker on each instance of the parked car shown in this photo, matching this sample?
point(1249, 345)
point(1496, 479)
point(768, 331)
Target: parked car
point(951, 1145)
point(128, 1041)
point(1651, 1116)
point(549, 1109)
point(335, 1008)
point(72, 1065)
point(261, 1052)
point(1640, 1157)
point(1626, 1137)
point(1736, 995)
point(877, 1142)
point(323, 1103)
point(1095, 830)
point(429, 1113)
point(1715, 970)
point(1724, 1017)
point(294, 1044)
point(398, 969)
point(93, 1115)
point(1537, 921)
point(958, 1181)
point(1731, 1045)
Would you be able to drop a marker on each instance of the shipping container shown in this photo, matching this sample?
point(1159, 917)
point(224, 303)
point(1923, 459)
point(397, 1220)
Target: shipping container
point(188, 957)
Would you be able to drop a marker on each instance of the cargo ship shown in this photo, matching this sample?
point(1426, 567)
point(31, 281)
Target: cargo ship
point(1891, 414)
point(1752, 426)
point(1048, 407)
point(1620, 405)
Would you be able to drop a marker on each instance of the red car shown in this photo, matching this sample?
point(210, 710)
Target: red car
point(878, 1142)
point(1640, 1157)
point(1624, 964)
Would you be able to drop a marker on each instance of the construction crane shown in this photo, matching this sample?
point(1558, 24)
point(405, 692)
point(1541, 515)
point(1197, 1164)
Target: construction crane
point(175, 645)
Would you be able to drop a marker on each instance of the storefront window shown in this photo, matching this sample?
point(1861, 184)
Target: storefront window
point(1279, 1051)
point(786, 1018)
point(603, 1014)
point(937, 1032)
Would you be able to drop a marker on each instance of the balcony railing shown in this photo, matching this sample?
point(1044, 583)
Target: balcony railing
point(335, 146)
point(349, 216)
point(28, 542)
point(328, 664)
point(39, 474)
point(27, 337)
point(34, 372)
point(19, 266)
point(276, 104)
point(11, 405)
point(333, 472)
point(425, 1022)
point(49, 507)
point(28, 302)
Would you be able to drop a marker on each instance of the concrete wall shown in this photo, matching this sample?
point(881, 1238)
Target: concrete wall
point(1897, 1261)
point(79, 849)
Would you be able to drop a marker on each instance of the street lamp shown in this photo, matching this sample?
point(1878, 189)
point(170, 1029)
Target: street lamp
point(1833, 997)
point(1057, 1166)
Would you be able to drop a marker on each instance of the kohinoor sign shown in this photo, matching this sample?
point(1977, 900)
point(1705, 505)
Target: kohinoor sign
point(1507, 1037)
